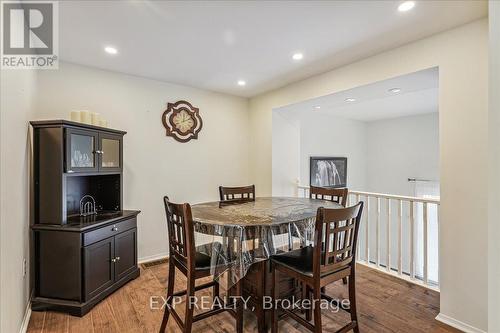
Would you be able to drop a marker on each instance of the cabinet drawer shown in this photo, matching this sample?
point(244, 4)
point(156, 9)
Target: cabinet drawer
point(108, 231)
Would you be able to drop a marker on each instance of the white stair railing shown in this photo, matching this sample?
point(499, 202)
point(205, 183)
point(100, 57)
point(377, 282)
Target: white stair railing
point(398, 235)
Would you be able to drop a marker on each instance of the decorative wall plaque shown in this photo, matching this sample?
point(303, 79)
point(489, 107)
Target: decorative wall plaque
point(182, 121)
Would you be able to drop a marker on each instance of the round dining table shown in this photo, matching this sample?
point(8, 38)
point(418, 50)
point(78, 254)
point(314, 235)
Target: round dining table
point(240, 237)
point(248, 232)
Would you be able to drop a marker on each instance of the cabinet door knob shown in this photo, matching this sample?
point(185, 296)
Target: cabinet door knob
point(113, 260)
point(114, 228)
point(117, 258)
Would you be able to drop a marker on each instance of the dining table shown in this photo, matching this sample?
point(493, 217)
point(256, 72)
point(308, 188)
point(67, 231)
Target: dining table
point(241, 236)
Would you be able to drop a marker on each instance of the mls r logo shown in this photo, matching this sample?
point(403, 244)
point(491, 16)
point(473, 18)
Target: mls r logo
point(27, 28)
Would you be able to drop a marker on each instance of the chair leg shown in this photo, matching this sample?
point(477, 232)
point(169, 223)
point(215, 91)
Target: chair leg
point(216, 291)
point(317, 310)
point(170, 292)
point(261, 318)
point(274, 295)
point(344, 280)
point(261, 286)
point(188, 318)
point(352, 301)
point(308, 296)
point(239, 307)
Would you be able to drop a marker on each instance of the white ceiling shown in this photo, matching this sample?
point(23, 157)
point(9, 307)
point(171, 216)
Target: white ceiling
point(418, 95)
point(213, 44)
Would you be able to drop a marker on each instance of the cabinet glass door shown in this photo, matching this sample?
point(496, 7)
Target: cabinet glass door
point(110, 152)
point(80, 151)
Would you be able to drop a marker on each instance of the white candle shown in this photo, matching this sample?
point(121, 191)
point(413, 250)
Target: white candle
point(96, 118)
point(85, 117)
point(75, 116)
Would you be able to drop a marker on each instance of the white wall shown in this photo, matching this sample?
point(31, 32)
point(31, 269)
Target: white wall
point(286, 154)
point(462, 57)
point(381, 155)
point(400, 148)
point(156, 165)
point(17, 90)
point(326, 135)
point(297, 137)
point(494, 171)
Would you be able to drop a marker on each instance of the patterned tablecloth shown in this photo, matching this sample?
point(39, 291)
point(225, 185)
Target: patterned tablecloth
point(237, 235)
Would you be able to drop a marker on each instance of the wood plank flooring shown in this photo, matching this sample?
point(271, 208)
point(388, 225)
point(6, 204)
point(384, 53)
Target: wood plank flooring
point(385, 303)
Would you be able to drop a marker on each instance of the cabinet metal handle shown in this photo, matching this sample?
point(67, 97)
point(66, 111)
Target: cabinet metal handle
point(117, 258)
point(114, 228)
point(113, 260)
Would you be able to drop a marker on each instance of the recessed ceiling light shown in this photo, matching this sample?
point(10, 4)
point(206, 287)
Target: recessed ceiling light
point(395, 90)
point(241, 83)
point(406, 6)
point(317, 107)
point(297, 56)
point(111, 50)
point(350, 99)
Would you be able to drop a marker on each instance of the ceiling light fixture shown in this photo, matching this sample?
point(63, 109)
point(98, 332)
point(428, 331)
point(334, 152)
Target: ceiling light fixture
point(395, 90)
point(317, 107)
point(241, 83)
point(406, 6)
point(111, 50)
point(350, 99)
point(297, 56)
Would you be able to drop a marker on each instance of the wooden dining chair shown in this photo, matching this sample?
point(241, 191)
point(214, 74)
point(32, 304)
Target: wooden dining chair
point(237, 194)
point(338, 195)
point(319, 266)
point(194, 265)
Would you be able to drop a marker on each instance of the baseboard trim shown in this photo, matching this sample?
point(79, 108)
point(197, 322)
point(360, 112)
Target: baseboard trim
point(457, 324)
point(26, 319)
point(152, 258)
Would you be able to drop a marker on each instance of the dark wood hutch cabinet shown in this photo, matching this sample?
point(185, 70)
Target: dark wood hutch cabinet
point(79, 260)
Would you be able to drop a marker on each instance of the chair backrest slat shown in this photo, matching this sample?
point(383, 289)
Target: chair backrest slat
point(180, 232)
point(338, 195)
point(336, 234)
point(237, 194)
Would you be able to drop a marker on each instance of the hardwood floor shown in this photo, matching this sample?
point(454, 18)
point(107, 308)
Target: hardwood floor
point(386, 304)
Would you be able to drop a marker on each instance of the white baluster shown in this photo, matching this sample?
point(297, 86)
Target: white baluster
point(425, 243)
point(400, 237)
point(388, 259)
point(367, 230)
point(377, 242)
point(412, 254)
point(437, 212)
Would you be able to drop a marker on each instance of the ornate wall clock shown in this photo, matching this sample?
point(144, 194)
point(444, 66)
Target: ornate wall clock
point(182, 121)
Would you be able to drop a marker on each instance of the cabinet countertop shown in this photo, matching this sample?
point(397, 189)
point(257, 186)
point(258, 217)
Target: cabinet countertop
point(87, 223)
